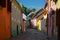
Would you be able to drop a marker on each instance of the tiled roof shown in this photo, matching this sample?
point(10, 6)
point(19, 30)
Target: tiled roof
point(38, 13)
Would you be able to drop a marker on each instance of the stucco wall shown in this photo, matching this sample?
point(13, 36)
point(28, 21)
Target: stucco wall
point(16, 19)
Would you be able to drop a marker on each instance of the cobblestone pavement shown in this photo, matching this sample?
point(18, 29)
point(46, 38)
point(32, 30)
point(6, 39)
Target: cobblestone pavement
point(33, 34)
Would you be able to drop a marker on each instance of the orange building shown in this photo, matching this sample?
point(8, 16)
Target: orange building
point(5, 9)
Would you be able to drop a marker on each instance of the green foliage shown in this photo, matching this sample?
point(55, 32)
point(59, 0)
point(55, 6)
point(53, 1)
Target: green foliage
point(33, 10)
point(27, 10)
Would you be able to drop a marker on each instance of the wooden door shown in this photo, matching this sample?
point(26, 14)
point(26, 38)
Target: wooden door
point(2, 25)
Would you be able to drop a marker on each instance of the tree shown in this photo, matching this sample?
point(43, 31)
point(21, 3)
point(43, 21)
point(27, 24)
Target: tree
point(27, 10)
point(33, 10)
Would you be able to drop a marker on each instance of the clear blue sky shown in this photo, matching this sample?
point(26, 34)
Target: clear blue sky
point(33, 3)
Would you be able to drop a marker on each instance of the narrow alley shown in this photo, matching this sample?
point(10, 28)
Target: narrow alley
point(29, 19)
point(33, 34)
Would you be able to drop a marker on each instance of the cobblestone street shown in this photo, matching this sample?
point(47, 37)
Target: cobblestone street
point(33, 34)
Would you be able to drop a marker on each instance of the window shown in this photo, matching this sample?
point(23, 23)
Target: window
point(3, 3)
point(0, 10)
point(9, 5)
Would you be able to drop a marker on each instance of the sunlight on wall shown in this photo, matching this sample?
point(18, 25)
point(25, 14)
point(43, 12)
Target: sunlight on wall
point(58, 4)
point(39, 25)
point(34, 21)
point(45, 16)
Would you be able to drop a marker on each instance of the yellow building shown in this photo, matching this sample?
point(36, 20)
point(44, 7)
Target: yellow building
point(39, 16)
point(39, 25)
point(58, 4)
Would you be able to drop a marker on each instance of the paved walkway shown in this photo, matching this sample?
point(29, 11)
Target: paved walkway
point(32, 34)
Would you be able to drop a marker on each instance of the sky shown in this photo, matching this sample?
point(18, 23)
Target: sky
point(37, 4)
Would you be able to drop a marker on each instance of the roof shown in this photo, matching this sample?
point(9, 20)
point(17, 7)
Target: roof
point(37, 13)
point(30, 13)
point(29, 16)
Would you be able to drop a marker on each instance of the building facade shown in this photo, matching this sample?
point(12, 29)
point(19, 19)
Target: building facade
point(5, 19)
point(51, 18)
point(37, 20)
point(16, 18)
